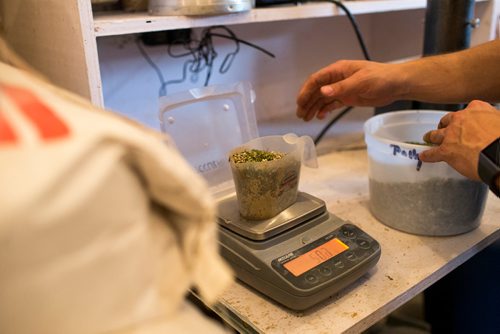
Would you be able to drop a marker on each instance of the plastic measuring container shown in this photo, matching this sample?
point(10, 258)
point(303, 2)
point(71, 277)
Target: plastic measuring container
point(266, 188)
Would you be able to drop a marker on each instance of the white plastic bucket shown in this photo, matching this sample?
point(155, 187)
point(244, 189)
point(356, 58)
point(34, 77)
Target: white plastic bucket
point(415, 197)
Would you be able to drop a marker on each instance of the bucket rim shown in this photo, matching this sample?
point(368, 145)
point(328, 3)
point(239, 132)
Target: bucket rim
point(369, 133)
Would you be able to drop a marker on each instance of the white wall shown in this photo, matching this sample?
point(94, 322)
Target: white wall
point(301, 47)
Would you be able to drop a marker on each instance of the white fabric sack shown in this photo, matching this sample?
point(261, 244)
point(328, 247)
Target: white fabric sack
point(103, 225)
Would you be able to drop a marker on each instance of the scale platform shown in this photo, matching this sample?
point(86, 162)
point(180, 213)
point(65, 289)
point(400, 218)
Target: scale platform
point(298, 258)
point(305, 208)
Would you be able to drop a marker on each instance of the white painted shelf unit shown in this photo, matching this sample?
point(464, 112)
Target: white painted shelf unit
point(60, 37)
point(119, 23)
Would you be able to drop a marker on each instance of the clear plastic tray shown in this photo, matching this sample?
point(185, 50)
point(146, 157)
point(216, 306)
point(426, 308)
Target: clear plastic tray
point(206, 123)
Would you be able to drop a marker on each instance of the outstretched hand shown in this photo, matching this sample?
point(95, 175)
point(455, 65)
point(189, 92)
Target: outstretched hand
point(349, 83)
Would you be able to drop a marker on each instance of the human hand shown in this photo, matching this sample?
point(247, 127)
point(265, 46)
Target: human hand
point(461, 137)
point(349, 83)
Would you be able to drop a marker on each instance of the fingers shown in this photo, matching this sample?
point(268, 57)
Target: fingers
point(437, 136)
point(460, 137)
point(328, 98)
point(322, 114)
point(478, 104)
point(307, 106)
point(431, 155)
point(329, 108)
point(434, 136)
point(327, 90)
point(316, 95)
point(313, 109)
point(310, 91)
point(321, 108)
point(318, 106)
point(445, 120)
point(335, 104)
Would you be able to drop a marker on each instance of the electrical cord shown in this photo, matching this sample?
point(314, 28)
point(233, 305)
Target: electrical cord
point(367, 57)
point(332, 121)
point(202, 55)
point(153, 65)
point(354, 25)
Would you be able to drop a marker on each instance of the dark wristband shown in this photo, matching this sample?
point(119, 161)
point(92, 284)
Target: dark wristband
point(489, 165)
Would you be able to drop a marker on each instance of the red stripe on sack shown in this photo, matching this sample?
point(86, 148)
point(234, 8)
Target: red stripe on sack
point(7, 134)
point(47, 123)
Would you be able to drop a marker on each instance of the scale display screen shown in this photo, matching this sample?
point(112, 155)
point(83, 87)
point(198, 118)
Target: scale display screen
point(315, 257)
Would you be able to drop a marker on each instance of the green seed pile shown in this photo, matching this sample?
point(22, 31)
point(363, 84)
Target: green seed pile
point(419, 143)
point(256, 156)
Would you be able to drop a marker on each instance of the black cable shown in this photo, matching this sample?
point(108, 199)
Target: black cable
point(154, 66)
point(163, 88)
point(333, 121)
point(367, 57)
point(249, 44)
point(228, 60)
point(354, 25)
point(202, 53)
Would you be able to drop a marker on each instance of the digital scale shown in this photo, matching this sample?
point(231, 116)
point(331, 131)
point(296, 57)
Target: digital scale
point(298, 258)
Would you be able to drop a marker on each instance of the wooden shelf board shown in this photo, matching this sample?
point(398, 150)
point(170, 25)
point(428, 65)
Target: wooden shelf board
point(119, 23)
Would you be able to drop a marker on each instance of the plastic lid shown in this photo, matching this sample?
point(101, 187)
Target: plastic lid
point(206, 123)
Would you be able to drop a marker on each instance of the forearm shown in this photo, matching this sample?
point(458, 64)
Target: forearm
point(456, 77)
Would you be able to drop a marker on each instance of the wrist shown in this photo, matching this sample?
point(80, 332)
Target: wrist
point(405, 81)
point(433, 79)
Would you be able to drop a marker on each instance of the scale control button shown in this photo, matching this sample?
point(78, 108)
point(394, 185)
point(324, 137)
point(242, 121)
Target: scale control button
point(351, 256)
point(363, 243)
point(339, 264)
point(325, 271)
point(305, 239)
point(310, 278)
point(348, 232)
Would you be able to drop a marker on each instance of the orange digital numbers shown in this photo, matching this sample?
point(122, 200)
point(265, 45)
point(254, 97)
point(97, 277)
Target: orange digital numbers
point(315, 257)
